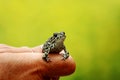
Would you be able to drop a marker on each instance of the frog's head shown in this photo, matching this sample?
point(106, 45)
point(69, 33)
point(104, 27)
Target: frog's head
point(60, 37)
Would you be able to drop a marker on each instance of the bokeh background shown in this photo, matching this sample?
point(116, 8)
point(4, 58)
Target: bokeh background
point(92, 28)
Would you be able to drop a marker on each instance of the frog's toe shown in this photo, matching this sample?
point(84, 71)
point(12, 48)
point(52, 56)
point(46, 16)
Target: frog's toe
point(47, 59)
point(65, 56)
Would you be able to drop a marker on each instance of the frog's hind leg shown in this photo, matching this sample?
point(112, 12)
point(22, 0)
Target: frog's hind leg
point(45, 56)
point(66, 54)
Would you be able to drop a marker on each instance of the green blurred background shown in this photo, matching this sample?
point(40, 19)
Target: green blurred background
point(92, 28)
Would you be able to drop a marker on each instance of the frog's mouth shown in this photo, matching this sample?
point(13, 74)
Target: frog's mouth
point(63, 38)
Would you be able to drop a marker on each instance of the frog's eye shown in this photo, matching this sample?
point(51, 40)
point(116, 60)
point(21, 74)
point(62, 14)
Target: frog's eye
point(55, 34)
point(63, 33)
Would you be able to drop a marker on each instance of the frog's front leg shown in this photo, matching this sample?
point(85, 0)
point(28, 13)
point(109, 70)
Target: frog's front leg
point(66, 54)
point(45, 56)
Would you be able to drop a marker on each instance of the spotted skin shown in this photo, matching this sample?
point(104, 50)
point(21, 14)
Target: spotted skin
point(55, 44)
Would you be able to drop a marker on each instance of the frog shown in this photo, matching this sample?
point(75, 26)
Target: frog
point(55, 44)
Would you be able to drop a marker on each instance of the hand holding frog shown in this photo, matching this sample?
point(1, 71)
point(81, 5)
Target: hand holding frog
point(27, 64)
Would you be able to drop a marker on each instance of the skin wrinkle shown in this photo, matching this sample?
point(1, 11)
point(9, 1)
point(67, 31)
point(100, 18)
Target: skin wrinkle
point(15, 69)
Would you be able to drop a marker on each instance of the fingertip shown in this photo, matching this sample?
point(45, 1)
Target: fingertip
point(72, 65)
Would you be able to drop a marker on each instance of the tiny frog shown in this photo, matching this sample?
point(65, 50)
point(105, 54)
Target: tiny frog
point(55, 44)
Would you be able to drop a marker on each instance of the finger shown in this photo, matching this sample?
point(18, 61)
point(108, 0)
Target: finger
point(59, 66)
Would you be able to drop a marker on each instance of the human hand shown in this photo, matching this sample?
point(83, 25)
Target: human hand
point(27, 64)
